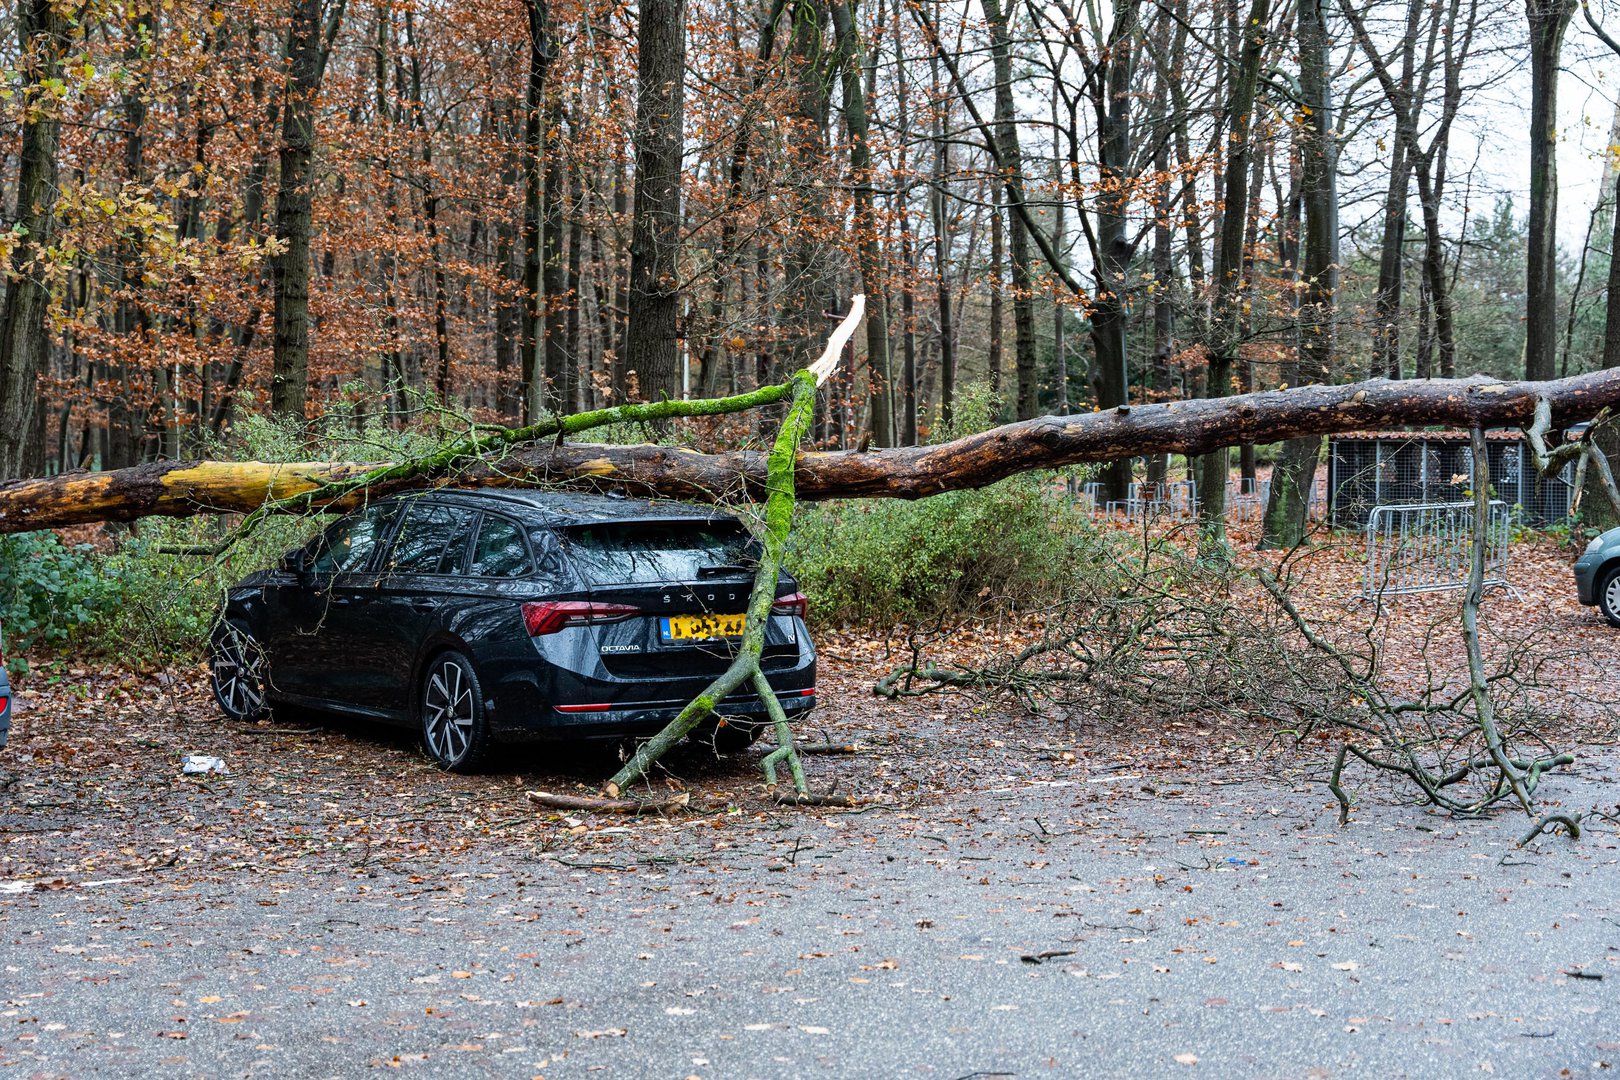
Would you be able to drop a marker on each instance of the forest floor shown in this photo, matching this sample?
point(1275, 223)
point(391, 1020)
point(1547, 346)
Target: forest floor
point(1018, 895)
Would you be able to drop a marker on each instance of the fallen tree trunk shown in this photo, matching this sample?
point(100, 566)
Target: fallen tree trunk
point(181, 489)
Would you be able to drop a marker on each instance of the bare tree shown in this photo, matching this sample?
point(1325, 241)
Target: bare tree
point(1011, 166)
point(307, 53)
point(44, 34)
point(868, 257)
point(1227, 312)
point(1548, 21)
point(1295, 472)
point(651, 348)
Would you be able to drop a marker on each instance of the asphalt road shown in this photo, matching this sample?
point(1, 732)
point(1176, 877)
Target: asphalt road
point(1078, 928)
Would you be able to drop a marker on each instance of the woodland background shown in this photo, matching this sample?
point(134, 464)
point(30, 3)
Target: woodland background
point(363, 211)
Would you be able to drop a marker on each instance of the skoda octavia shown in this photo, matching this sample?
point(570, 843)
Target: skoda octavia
point(496, 616)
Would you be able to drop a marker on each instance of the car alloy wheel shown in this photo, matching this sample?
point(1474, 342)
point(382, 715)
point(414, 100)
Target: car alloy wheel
point(453, 727)
point(237, 666)
point(1609, 596)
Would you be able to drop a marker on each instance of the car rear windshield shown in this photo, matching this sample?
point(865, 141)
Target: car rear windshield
point(655, 551)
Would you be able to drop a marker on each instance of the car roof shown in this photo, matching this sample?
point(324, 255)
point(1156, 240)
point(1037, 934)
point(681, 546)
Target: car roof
point(563, 508)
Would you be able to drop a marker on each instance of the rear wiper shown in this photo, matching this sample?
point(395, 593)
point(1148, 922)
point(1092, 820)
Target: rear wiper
point(723, 568)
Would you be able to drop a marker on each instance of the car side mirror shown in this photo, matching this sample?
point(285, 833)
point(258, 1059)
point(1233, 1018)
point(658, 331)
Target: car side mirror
point(296, 561)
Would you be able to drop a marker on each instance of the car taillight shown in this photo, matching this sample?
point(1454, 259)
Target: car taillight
point(793, 604)
point(549, 616)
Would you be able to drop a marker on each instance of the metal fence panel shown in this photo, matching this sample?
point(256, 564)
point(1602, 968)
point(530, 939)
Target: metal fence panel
point(1425, 547)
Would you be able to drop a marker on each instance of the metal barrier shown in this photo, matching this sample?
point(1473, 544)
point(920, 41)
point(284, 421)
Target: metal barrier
point(1426, 547)
point(1177, 500)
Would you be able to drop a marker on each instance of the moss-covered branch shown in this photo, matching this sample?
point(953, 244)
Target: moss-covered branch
point(745, 666)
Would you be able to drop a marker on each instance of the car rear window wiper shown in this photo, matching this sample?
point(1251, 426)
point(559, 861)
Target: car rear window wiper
point(724, 568)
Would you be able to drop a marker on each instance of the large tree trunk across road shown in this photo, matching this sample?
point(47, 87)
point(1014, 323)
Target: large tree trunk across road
point(180, 489)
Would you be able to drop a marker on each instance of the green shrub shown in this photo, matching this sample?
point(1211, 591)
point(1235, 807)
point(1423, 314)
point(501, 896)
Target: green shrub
point(47, 591)
point(142, 602)
point(881, 562)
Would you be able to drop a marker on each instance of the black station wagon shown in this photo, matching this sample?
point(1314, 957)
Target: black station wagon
point(497, 616)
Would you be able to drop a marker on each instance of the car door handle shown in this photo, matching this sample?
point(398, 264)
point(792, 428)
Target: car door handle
point(343, 599)
point(423, 605)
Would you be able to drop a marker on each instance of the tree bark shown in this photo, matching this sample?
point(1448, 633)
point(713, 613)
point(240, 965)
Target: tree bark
point(652, 348)
point(42, 33)
point(558, 380)
point(509, 276)
point(942, 251)
point(1011, 164)
point(1548, 20)
point(295, 205)
point(1227, 314)
point(868, 257)
point(535, 142)
point(1294, 476)
point(180, 489)
point(908, 257)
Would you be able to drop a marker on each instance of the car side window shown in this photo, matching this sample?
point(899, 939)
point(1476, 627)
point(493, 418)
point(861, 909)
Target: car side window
point(347, 546)
point(433, 540)
point(499, 551)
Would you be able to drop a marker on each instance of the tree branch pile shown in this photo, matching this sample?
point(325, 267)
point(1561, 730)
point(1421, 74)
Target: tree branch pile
point(1157, 636)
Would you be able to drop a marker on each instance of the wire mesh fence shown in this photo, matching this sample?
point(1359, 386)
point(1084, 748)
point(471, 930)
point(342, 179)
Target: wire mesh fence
point(1177, 500)
point(1420, 468)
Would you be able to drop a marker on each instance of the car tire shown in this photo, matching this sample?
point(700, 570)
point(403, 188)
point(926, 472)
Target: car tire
point(236, 663)
point(1608, 595)
point(455, 729)
point(734, 736)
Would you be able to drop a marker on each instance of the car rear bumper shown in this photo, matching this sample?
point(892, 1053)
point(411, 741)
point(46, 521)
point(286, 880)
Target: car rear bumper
point(573, 692)
point(629, 720)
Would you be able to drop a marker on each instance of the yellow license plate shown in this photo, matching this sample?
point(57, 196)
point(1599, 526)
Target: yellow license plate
point(701, 627)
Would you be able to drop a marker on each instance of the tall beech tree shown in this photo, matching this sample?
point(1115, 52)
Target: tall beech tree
point(652, 348)
point(1010, 163)
point(1548, 20)
point(308, 49)
point(1294, 475)
point(1227, 311)
point(44, 34)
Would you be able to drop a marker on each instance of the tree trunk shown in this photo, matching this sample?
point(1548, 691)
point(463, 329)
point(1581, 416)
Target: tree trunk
point(509, 281)
point(652, 348)
point(942, 253)
point(1011, 163)
point(908, 254)
point(1227, 314)
point(43, 33)
point(1548, 20)
point(295, 202)
point(1114, 249)
point(993, 355)
point(867, 254)
point(181, 489)
point(1294, 475)
point(535, 142)
point(558, 382)
point(576, 373)
point(1386, 331)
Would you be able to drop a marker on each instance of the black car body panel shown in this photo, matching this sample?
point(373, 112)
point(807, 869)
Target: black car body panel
point(356, 631)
